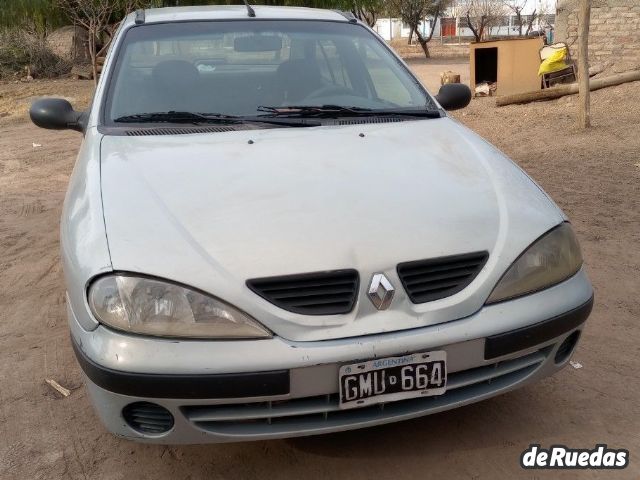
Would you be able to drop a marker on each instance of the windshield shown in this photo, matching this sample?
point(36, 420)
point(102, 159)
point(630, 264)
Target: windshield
point(240, 67)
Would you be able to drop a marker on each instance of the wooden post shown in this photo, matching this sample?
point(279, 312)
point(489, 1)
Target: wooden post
point(584, 107)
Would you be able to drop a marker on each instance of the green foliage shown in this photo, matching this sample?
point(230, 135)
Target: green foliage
point(24, 24)
point(40, 15)
point(44, 15)
point(334, 4)
point(366, 10)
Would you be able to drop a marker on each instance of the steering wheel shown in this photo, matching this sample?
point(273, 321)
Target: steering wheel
point(330, 90)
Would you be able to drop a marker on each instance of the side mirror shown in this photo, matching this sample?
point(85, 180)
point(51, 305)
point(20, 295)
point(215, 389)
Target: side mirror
point(453, 96)
point(57, 114)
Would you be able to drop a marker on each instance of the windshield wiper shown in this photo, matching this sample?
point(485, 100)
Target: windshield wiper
point(177, 117)
point(340, 111)
point(293, 115)
point(319, 110)
point(197, 118)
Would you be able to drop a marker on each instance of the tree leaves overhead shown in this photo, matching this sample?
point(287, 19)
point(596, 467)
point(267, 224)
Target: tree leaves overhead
point(45, 14)
point(41, 15)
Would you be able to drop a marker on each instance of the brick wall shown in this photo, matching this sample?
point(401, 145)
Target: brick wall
point(614, 34)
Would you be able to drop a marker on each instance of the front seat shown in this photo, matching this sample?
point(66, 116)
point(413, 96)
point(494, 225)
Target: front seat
point(296, 79)
point(176, 86)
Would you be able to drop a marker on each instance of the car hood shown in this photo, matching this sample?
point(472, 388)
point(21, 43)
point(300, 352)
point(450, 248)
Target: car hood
point(213, 210)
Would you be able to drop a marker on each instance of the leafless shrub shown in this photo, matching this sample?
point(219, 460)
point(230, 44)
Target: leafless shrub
point(482, 15)
point(414, 12)
point(26, 52)
point(94, 16)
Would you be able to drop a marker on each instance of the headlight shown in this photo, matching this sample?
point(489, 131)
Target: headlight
point(554, 257)
point(155, 307)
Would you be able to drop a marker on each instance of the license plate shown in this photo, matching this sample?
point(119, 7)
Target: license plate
point(393, 378)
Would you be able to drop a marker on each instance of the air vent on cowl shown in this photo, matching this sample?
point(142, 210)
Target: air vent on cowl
point(141, 132)
point(358, 121)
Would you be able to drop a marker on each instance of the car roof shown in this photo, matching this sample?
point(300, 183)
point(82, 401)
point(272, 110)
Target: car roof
point(236, 12)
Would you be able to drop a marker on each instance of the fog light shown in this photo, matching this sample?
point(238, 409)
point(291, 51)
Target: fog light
point(148, 418)
point(566, 348)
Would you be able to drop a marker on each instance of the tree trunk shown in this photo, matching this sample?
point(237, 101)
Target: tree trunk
point(93, 54)
point(370, 17)
point(532, 19)
point(423, 43)
point(110, 32)
point(571, 89)
point(482, 27)
point(365, 15)
point(432, 28)
point(471, 27)
point(584, 105)
point(519, 20)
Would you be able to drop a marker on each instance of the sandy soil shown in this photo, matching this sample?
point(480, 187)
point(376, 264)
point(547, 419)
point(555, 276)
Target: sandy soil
point(16, 96)
point(430, 70)
point(593, 175)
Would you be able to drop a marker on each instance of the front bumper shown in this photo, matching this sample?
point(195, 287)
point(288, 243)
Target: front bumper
point(251, 390)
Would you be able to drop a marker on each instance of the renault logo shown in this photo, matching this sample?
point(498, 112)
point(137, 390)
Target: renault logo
point(380, 291)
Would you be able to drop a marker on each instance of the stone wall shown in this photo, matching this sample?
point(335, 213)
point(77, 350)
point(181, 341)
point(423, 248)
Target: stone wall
point(614, 34)
point(70, 43)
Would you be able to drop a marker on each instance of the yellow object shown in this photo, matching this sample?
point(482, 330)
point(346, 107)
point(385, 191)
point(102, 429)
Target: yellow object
point(553, 62)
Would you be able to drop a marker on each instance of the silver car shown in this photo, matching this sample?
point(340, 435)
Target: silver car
point(273, 230)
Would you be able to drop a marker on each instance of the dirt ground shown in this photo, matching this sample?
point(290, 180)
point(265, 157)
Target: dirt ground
point(593, 175)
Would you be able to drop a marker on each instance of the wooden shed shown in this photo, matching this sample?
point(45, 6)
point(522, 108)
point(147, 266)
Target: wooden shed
point(511, 63)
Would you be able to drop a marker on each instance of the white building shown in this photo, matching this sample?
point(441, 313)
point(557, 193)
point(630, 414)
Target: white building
point(390, 28)
point(453, 22)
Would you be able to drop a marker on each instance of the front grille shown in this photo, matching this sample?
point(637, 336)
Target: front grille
point(314, 414)
point(429, 280)
point(141, 132)
point(320, 293)
point(146, 417)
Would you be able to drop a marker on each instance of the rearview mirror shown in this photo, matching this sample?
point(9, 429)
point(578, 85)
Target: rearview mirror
point(57, 114)
point(453, 96)
point(258, 43)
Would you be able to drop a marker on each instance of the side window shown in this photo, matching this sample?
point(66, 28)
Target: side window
point(388, 86)
point(331, 65)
